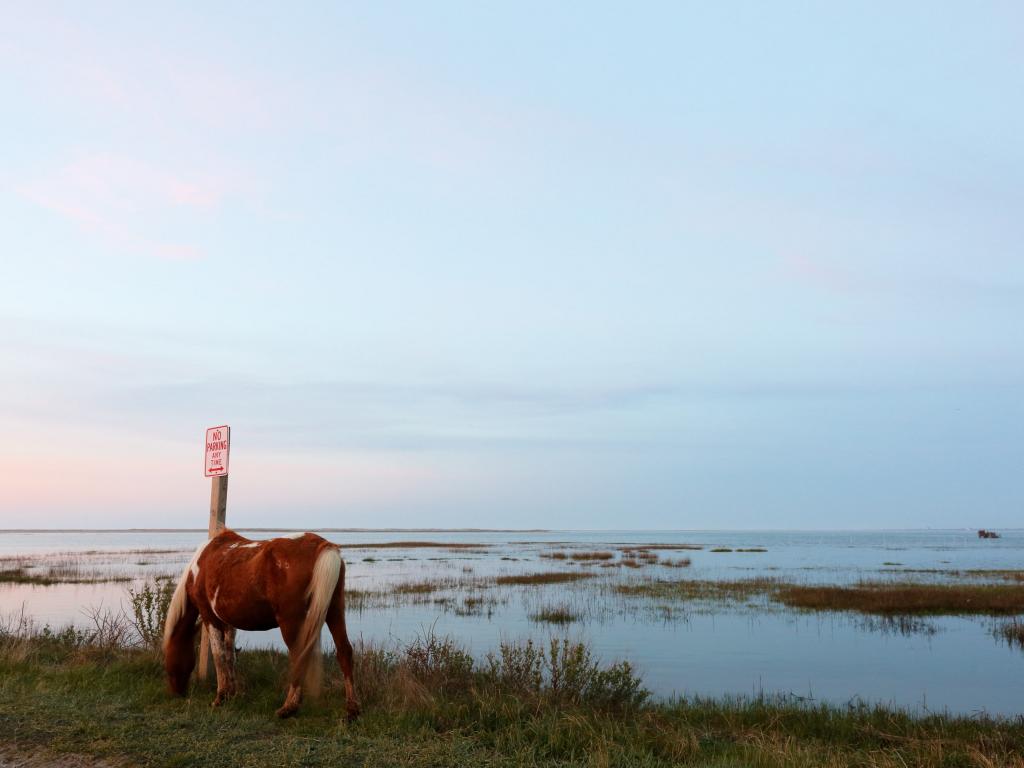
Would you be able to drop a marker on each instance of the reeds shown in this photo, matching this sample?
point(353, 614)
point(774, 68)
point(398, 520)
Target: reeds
point(1012, 632)
point(907, 598)
point(682, 562)
point(555, 614)
point(603, 555)
point(550, 577)
point(695, 589)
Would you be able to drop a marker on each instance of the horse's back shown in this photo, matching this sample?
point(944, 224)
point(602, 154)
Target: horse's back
point(248, 584)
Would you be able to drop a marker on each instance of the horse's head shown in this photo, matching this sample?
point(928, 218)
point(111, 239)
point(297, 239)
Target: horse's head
point(179, 661)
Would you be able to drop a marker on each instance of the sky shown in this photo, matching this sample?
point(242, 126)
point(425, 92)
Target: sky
point(561, 265)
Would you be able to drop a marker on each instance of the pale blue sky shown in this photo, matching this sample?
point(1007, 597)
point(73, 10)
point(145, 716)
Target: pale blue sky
point(560, 265)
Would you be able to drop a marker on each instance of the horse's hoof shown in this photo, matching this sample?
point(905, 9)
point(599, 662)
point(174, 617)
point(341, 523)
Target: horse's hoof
point(353, 713)
point(284, 712)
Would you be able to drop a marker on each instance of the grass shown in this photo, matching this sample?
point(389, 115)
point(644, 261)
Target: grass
point(697, 589)
point(876, 598)
point(56, 575)
point(721, 549)
point(907, 598)
point(550, 577)
point(555, 555)
point(1005, 575)
point(555, 614)
point(752, 549)
point(592, 555)
point(429, 703)
point(682, 562)
point(1012, 632)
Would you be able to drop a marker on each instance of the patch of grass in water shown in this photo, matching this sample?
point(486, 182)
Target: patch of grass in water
point(721, 549)
point(1012, 632)
point(683, 562)
point(552, 577)
point(52, 576)
point(592, 555)
point(1004, 574)
point(907, 598)
point(697, 589)
point(555, 614)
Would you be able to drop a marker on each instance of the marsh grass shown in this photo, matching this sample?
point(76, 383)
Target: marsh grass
point(682, 562)
point(1004, 575)
point(561, 613)
point(907, 598)
point(698, 589)
point(898, 625)
point(1012, 632)
point(721, 549)
point(603, 555)
point(537, 579)
point(50, 575)
point(428, 702)
point(878, 598)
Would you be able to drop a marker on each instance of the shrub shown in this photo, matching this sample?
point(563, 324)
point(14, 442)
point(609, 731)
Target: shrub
point(149, 611)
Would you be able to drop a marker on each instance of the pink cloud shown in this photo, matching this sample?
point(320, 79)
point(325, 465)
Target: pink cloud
point(819, 272)
point(118, 199)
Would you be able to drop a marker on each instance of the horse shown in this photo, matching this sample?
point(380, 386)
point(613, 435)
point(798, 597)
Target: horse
point(296, 583)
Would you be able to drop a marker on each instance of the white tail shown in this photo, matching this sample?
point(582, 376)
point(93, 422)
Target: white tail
point(177, 607)
point(326, 572)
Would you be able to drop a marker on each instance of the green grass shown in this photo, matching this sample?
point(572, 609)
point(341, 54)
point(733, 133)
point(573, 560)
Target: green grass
point(429, 704)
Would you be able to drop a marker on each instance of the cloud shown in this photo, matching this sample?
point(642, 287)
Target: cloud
point(118, 199)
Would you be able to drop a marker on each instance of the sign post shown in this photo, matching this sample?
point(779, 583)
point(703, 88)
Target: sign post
point(215, 466)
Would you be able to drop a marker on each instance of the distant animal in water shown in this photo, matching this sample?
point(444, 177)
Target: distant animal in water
point(983, 534)
point(295, 583)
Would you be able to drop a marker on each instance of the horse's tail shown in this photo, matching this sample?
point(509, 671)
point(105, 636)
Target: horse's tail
point(326, 572)
point(180, 630)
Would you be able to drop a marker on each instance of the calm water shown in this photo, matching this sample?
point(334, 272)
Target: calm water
point(703, 649)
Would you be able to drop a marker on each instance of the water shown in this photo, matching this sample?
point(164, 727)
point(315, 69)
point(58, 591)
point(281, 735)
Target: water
point(707, 649)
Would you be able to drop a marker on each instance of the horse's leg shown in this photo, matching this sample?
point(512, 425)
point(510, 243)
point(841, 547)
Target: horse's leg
point(225, 678)
point(229, 655)
point(336, 623)
point(290, 627)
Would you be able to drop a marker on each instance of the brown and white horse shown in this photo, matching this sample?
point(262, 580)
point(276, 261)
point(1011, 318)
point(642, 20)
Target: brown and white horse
point(295, 583)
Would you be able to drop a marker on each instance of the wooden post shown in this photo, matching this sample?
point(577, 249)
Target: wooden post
point(218, 513)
